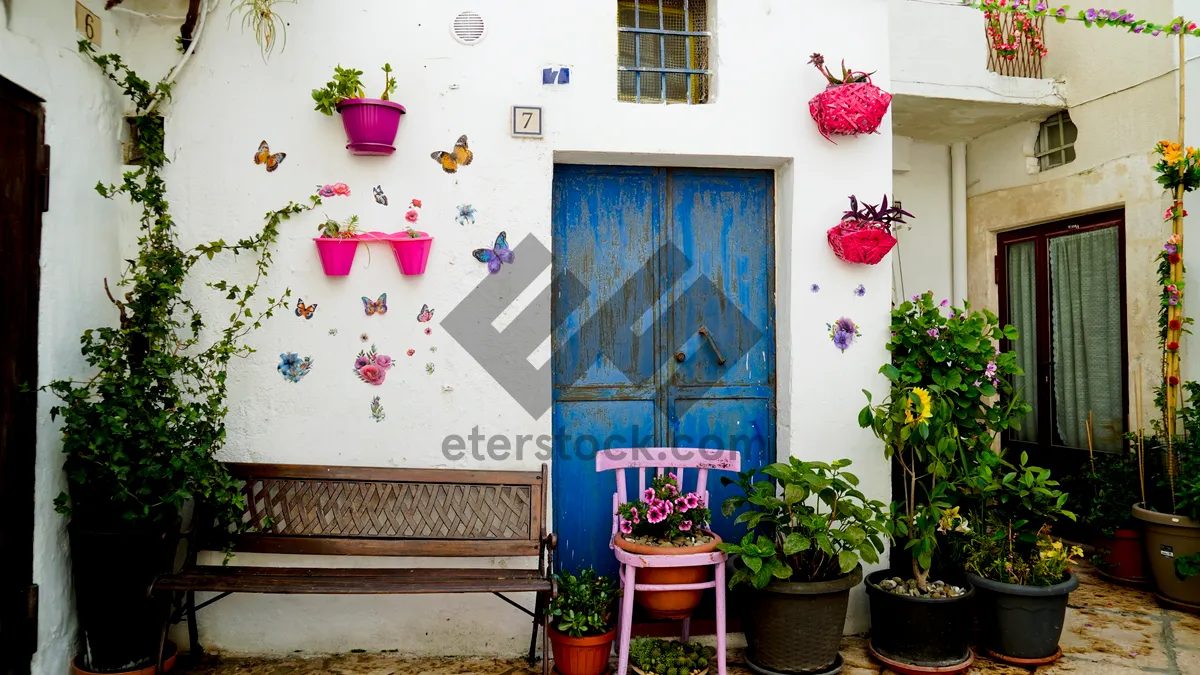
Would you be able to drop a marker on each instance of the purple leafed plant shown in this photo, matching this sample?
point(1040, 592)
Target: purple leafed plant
point(882, 217)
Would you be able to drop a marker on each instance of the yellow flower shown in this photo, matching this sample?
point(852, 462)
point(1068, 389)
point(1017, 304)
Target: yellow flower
point(926, 410)
point(1192, 152)
point(1057, 545)
point(1173, 155)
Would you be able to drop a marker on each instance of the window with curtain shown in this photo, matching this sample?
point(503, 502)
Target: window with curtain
point(1063, 290)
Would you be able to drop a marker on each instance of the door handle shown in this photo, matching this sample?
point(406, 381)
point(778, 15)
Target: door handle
point(712, 343)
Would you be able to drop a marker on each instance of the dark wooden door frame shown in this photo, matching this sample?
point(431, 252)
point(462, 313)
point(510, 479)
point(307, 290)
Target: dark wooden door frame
point(1041, 234)
point(23, 198)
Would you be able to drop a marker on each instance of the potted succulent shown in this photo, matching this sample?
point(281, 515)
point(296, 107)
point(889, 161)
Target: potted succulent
point(1021, 573)
point(371, 123)
point(141, 432)
point(1107, 489)
point(864, 234)
point(667, 521)
point(1172, 517)
point(950, 396)
point(810, 528)
point(337, 245)
point(412, 247)
point(654, 656)
point(580, 622)
point(850, 104)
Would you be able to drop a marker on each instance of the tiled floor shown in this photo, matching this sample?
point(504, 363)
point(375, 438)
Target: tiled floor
point(1111, 630)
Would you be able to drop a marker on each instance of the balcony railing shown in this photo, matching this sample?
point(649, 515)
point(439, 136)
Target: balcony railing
point(1016, 43)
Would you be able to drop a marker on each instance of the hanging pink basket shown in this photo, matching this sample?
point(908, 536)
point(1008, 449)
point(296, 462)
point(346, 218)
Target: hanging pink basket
point(849, 109)
point(858, 242)
point(337, 255)
point(412, 253)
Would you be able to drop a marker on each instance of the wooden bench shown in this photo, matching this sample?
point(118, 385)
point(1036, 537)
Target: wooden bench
point(336, 510)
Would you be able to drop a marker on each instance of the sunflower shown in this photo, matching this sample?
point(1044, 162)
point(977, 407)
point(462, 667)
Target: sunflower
point(926, 411)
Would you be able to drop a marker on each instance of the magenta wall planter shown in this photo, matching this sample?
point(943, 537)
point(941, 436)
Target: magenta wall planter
point(371, 125)
point(412, 254)
point(337, 255)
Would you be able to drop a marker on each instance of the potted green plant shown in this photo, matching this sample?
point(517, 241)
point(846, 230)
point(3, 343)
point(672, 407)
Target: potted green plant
point(949, 398)
point(666, 521)
point(655, 656)
point(337, 245)
point(1102, 499)
point(1021, 573)
point(810, 528)
point(1171, 518)
point(140, 435)
point(581, 623)
point(371, 123)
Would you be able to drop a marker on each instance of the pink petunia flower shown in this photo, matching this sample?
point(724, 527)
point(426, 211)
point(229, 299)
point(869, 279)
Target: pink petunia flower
point(626, 527)
point(648, 495)
point(655, 516)
point(693, 500)
point(685, 526)
point(633, 515)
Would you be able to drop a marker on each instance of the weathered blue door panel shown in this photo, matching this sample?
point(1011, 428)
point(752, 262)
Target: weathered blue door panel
point(582, 499)
point(643, 260)
point(745, 425)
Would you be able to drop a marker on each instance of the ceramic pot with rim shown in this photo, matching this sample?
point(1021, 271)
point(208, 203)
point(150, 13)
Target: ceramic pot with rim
point(371, 124)
point(670, 604)
point(796, 626)
point(1168, 537)
point(581, 656)
point(1022, 623)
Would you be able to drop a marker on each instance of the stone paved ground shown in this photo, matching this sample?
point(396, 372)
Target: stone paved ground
point(1111, 630)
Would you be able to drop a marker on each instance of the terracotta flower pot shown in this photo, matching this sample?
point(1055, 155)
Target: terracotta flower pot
point(1125, 552)
point(169, 657)
point(670, 604)
point(581, 656)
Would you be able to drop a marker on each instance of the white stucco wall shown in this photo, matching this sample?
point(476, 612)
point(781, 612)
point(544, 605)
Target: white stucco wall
point(79, 249)
point(921, 182)
point(230, 100)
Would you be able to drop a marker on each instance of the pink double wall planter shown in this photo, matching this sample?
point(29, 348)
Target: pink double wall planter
point(412, 253)
point(371, 124)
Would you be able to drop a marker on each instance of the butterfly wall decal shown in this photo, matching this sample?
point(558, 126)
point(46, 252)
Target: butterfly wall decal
point(379, 196)
point(264, 156)
point(459, 156)
point(425, 314)
point(495, 256)
point(377, 307)
point(305, 311)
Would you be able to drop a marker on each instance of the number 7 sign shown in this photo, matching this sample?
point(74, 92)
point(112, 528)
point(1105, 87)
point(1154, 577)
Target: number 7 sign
point(527, 121)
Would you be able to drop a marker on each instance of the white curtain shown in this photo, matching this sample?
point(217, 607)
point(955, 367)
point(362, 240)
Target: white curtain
point(1086, 327)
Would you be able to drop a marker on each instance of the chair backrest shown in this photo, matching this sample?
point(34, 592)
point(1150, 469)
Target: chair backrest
point(340, 510)
point(664, 460)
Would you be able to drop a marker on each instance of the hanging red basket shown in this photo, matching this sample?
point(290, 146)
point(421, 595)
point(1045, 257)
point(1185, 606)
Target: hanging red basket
point(858, 242)
point(849, 109)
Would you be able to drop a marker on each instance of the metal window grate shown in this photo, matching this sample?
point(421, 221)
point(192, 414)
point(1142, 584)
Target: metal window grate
point(663, 48)
point(1056, 141)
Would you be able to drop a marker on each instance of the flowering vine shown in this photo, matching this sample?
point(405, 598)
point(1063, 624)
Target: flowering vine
point(1093, 16)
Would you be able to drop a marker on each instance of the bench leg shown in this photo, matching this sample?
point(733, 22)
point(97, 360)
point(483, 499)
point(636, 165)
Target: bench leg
point(196, 650)
point(538, 609)
point(545, 646)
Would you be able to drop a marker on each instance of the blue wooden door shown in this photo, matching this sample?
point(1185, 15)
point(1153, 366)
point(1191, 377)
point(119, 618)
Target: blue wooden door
point(663, 330)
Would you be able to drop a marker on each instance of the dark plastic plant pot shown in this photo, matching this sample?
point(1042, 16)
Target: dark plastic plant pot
point(796, 627)
point(371, 125)
point(922, 632)
point(1022, 622)
point(1167, 538)
point(113, 569)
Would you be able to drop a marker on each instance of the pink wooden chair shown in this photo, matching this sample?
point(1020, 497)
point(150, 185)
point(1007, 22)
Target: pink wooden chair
point(666, 459)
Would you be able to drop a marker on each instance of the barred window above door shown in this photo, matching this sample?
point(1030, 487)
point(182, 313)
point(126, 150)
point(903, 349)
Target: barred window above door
point(663, 48)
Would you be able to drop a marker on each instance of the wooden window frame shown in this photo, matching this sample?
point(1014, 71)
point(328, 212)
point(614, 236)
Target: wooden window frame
point(1043, 150)
point(1041, 235)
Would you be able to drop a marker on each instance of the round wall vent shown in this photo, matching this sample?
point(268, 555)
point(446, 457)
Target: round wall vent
point(469, 28)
